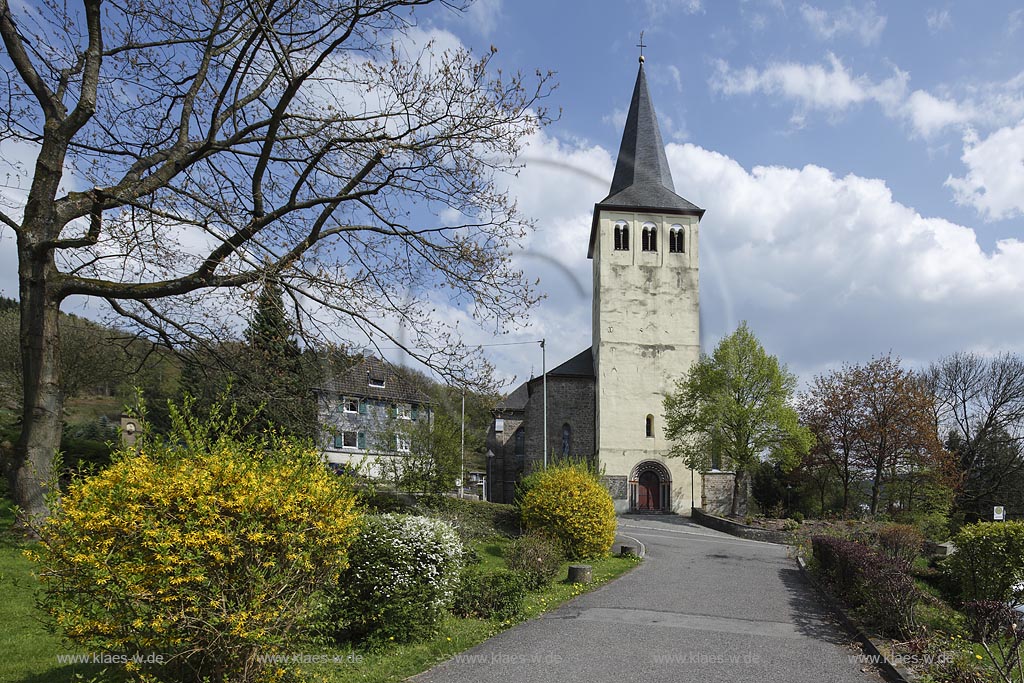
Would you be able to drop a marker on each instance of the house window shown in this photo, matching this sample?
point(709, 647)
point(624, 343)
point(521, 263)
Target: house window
point(404, 411)
point(566, 439)
point(376, 382)
point(621, 236)
point(649, 237)
point(520, 443)
point(401, 443)
point(346, 440)
point(350, 405)
point(650, 426)
point(675, 239)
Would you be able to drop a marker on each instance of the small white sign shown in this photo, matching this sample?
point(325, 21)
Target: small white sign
point(458, 483)
point(999, 513)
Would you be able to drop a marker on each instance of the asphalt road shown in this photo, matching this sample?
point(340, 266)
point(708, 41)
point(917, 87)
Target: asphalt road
point(704, 606)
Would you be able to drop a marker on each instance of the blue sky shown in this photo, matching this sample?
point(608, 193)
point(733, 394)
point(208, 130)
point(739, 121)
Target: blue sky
point(861, 163)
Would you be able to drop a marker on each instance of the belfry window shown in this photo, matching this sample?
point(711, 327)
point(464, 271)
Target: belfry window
point(650, 237)
point(621, 236)
point(675, 239)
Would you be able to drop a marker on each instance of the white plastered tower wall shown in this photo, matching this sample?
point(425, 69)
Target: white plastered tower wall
point(646, 333)
point(646, 309)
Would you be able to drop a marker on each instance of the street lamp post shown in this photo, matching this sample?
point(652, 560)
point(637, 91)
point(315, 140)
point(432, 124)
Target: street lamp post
point(544, 372)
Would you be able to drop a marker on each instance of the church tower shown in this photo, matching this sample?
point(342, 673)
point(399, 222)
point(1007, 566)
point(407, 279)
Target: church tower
point(646, 317)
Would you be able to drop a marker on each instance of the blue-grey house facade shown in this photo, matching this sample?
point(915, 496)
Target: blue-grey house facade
point(358, 410)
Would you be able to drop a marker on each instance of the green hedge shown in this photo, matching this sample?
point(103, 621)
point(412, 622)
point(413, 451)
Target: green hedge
point(989, 560)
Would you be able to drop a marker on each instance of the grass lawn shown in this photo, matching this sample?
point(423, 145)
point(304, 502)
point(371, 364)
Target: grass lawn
point(31, 653)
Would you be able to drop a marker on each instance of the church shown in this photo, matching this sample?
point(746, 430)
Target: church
point(605, 403)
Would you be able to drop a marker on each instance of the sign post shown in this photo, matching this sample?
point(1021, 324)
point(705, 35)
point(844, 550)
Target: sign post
point(999, 513)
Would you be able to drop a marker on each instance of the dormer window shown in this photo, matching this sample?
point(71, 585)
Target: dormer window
point(649, 237)
point(621, 236)
point(376, 382)
point(675, 239)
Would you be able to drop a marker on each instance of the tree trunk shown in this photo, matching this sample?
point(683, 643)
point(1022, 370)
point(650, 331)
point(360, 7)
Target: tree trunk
point(876, 485)
point(735, 493)
point(30, 473)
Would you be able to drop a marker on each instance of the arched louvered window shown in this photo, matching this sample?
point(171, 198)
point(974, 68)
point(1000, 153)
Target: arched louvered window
point(650, 237)
point(621, 236)
point(676, 237)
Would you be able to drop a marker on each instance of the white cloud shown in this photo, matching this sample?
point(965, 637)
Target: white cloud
point(833, 88)
point(831, 268)
point(994, 182)
point(929, 114)
point(938, 20)
point(1014, 21)
point(483, 15)
point(659, 8)
point(862, 22)
point(828, 86)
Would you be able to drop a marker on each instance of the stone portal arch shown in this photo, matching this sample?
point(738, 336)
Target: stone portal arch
point(650, 487)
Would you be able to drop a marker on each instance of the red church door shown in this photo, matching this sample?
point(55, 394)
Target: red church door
point(648, 492)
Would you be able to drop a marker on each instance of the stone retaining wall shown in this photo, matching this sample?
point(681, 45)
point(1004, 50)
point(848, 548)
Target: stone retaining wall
point(741, 530)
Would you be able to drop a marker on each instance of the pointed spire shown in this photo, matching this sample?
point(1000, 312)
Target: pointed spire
point(642, 180)
point(642, 175)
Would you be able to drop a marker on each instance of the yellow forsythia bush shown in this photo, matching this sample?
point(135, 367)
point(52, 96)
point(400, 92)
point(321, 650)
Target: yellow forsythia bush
point(202, 552)
point(570, 503)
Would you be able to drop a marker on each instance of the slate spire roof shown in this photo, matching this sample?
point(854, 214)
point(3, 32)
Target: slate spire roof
point(642, 180)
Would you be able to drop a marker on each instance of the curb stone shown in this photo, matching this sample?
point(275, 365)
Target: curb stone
point(892, 671)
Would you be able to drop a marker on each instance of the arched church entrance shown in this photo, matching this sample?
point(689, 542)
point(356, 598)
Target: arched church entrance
point(650, 488)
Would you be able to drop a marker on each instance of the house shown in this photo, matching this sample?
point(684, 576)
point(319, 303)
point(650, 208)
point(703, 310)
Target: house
point(605, 403)
point(358, 409)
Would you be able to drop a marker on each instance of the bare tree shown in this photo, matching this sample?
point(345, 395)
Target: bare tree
point(828, 408)
point(981, 407)
point(186, 150)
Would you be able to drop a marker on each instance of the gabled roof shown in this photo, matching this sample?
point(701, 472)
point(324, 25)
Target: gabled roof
point(580, 365)
point(516, 400)
point(356, 382)
point(642, 180)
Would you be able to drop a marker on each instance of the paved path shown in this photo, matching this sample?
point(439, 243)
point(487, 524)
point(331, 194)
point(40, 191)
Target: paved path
point(704, 606)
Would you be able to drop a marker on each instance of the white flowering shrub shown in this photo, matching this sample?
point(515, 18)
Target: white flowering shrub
point(401, 578)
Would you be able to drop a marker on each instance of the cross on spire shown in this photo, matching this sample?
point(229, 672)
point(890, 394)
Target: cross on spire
point(641, 46)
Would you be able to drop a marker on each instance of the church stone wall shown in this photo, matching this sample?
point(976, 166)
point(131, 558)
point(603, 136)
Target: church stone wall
point(570, 400)
point(504, 467)
point(716, 498)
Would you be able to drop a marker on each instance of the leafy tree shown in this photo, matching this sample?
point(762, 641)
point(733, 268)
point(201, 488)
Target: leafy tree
point(897, 434)
point(733, 409)
point(212, 145)
point(422, 456)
